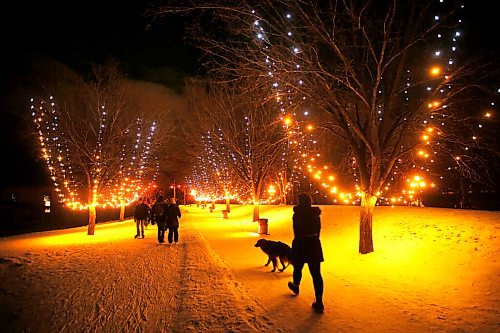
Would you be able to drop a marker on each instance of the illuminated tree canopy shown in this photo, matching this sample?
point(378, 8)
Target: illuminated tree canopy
point(99, 141)
point(243, 140)
point(387, 78)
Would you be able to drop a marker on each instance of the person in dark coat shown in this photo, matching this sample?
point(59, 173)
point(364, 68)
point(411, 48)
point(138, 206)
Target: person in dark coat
point(306, 247)
point(141, 213)
point(174, 214)
point(159, 215)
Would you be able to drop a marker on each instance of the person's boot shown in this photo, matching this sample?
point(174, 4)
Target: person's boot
point(136, 236)
point(318, 305)
point(293, 287)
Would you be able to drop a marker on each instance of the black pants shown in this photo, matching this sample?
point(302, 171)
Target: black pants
point(315, 270)
point(173, 233)
point(161, 231)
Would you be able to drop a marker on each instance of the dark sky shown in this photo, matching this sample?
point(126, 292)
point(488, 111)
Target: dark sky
point(78, 32)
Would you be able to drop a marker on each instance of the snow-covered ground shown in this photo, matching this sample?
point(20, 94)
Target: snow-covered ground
point(432, 270)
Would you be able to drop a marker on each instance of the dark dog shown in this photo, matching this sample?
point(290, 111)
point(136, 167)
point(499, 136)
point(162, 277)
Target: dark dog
point(275, 250)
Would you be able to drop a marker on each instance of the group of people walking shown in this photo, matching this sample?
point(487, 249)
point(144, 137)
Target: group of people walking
point(164, 214)
point(306, 245)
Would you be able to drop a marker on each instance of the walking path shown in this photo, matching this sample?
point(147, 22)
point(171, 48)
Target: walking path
point(120, 285)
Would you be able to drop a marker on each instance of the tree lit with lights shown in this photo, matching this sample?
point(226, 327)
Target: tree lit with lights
point(242, 142)
point(387, 80)
point(99, 149)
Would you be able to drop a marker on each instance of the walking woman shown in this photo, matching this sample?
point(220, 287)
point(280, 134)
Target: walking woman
point(306, 248)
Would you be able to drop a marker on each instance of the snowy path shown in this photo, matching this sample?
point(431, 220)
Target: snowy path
point(434, 270)
point(123, 285)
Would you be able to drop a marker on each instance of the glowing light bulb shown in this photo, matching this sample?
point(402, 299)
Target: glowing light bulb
point(436, 70)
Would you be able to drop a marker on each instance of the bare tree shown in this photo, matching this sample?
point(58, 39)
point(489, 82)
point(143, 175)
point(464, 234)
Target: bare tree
point(98, 139)
point(386, 74)
point(244, 135)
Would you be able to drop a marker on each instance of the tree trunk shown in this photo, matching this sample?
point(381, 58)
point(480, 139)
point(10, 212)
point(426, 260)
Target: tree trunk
point(122, 211)
point(255, 212)
point(228, 204)
point(92, 216)
point(368, 202)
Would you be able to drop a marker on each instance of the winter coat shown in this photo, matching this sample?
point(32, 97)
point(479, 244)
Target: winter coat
point(306, 246)
point(141, 211)
point(174, 214)
point(159, 212)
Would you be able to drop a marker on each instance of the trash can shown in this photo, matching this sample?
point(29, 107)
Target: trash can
point(211, 209)
point(263, 226)
point(224, 214)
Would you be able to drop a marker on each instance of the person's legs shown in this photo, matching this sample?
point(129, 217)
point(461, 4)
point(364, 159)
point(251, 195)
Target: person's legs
point(170, 234)
point(137, 234)
point(176, 234)
point(315, 269)
point(161, 232)
point(297, 276)
point(297, 272)
point(142, 227)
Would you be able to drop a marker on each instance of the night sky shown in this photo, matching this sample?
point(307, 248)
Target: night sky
point(78, 33)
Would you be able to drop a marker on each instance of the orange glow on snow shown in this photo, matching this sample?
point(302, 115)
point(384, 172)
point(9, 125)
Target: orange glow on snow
point(428, 262)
